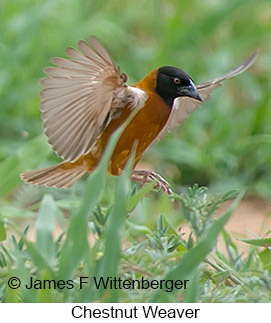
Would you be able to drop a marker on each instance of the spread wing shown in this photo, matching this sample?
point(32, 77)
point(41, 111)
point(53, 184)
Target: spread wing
point(183, 106)
point(80, 96)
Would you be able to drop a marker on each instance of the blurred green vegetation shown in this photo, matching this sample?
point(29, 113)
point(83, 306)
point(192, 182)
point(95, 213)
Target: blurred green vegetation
point(225, 145)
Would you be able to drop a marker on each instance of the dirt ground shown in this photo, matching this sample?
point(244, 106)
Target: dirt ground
point(253, 216)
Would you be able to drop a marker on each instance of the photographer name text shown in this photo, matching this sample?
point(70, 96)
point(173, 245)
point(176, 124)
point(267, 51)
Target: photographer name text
point(100, 283)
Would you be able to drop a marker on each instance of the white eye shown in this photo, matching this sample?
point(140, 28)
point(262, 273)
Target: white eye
point(176, 80)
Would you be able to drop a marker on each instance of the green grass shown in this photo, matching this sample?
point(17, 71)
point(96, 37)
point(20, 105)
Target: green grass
point(224, 145)
point(102, 238)
point(105, 225)
point(107, 241)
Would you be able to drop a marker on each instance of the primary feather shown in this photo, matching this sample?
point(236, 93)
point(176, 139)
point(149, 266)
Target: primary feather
point(80, 95)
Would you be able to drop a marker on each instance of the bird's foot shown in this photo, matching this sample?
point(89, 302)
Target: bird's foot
point(144, 177)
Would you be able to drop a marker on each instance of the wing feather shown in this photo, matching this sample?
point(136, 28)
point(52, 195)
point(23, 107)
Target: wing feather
point(78, 95)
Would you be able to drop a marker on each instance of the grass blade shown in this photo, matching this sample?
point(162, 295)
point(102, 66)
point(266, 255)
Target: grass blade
point(3, 235)
point(265, 242)
point(45, 225)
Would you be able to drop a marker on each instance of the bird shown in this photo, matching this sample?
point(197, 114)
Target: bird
point(85, 99)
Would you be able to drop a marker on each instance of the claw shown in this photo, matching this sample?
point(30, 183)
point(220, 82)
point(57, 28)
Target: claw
point(144, 177)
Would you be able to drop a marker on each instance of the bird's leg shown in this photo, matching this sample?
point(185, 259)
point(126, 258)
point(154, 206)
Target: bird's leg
point(145, 176)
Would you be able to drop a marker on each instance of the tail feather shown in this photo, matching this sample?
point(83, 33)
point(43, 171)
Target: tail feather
point(55, 176)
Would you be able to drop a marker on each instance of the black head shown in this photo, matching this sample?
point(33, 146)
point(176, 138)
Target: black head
point(172, 83)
